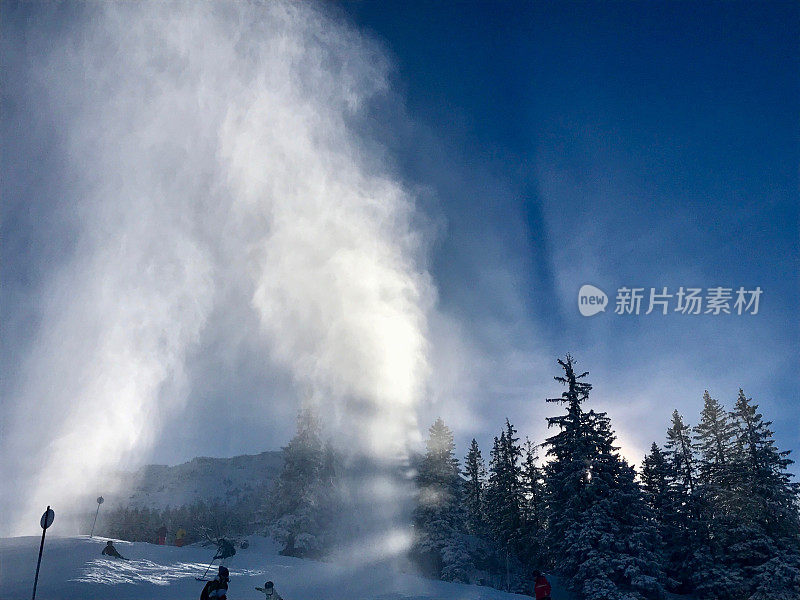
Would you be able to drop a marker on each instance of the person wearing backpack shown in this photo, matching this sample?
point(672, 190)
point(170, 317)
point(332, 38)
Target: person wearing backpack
point(225, 549)
point(217, 589)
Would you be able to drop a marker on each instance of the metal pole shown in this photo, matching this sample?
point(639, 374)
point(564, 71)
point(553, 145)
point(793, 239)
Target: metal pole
point(95, 519)
point(39, 562)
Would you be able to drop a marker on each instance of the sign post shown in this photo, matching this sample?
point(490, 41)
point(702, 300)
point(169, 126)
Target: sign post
point(45, 522)
point(99, 502)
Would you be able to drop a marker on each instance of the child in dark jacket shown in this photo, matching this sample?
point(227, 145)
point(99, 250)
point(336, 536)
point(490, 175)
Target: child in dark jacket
point(269, 591)
point(109, 550)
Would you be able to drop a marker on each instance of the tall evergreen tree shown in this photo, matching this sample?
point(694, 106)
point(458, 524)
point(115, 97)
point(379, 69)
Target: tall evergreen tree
point(764, 478)
point(504, 492)
point(764, 543)
point(533, 507)
point(475, 474)
point(600, 529)
point(680, 453)
point(714, 443)
point(656, 482)
point(658, 479)
point(714, 440)
point(566, 473)
point(439, 546)
point(301, 502)
point(691, 561)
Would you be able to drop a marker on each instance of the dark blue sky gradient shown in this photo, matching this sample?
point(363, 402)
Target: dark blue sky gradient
point(647, 144)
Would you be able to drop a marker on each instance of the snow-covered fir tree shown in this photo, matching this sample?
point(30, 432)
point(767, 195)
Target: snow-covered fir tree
point(714, 440)
point(533, 507)
point(764, 543)
point(763, 474)
point(439, 546)
point(729, 526)
point(303, 502)
point(657, 477)
point(680, 453)
point(714, 572)
point(504, 492)
point(474, 489)
point(688, 552)
point(600, 529)
point(566, 472)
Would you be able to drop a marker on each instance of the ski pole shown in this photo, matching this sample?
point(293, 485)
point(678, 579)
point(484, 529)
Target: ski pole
point(208, 567)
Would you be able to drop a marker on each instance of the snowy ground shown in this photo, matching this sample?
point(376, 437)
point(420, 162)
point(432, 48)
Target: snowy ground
point(72, 568)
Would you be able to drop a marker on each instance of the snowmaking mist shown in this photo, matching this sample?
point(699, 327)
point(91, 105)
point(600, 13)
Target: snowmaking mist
point(206, 166)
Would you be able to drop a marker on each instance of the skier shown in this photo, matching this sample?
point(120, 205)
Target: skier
point(224, 549)
point(109, 550)
point(541, 586)
point(162, 535)
point(217, 589)
point(180, 537)
point(269, 591)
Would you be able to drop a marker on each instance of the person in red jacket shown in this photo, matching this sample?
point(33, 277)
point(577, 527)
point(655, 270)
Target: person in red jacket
point(541, 587)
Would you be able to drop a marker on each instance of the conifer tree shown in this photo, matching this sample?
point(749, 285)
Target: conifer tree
point(713, 439)
point(656, 483)
point(600, 529)
point(657, 479)
point(533, 508)
point(690, 555)
point(566, 473)
point(715, 565)
point(300, 503)
point(475, 474)
point(504, 492)
point(439, 546)
point(765, 541)
point(764, 478)
point(680, 453)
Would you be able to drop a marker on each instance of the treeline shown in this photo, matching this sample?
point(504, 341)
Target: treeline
point(724, 505)
point(201, 521)
point(713, 513)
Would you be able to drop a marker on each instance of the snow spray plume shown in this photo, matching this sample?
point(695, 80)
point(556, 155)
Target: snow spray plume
point(212, 150)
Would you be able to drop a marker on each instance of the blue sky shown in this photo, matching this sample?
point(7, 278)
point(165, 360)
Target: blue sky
point(616, 144)
point(544, 147)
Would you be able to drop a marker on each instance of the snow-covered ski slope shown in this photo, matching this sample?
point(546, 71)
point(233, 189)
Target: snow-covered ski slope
point(73, 569)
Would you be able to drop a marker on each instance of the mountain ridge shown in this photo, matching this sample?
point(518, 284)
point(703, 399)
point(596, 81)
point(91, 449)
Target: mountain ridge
point(203, 478)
